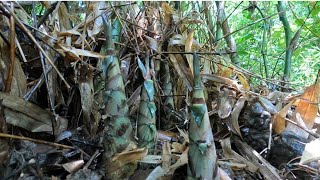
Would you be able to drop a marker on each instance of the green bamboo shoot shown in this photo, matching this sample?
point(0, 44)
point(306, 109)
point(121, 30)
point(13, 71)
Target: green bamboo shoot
point(202, 152)
point(147, 131)
point(118, 132)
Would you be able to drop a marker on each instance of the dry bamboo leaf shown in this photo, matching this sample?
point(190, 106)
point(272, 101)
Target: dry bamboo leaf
point(264, 167)
point(311, 152)
point(142, 22)
point(168, 11)
point(154, 15)
point(279, 122)
point(236, 166)
point(124, 158)
point(64, 17)
point(177, 39)
point(152, 43)
point(184, 134)
point(297, 130)
point(223, 80)
point(87, 96)
point(23, 15)
point(180, 162)
point(19, 80)
point(243, 81)
point(157, 173)
point(134, 96)
point(97, 25)
point(226, 102)
point(73, 166)
point(166, 135)
point(4, 147)
point(68, 33)
point(74, 54)
point(188, 46)
point(274, 95)
point(234, 124)
point(177, 147)
point(267, 105)
point(151, 159)
point(224, 71)
point(166, 156)
point(223, 174)
point(235, 157)
point(26, 115)
point(308, 105)
point(182, 75)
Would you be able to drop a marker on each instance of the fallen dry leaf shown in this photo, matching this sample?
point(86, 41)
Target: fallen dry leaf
point(73, 166)
point(308, 104)
point(279, 122)
point(233, 121)
point(124, 158)
point(74, 54)
point(243, 81)
point(166, 135)
point(188, 46)
point(311, 152)
point(168, 11)
point(226, 102)
point(166, 156)
point(177, 147)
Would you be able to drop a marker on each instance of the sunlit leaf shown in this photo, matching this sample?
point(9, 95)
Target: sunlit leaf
point(177, 39)
point(153, 44)
point(188, 46)
point(311, 152)
point(243, 81)
point(226, 102)
point(74, 54)
point(234, 125)
point(124, 158)
point(279, 122)
point(308, 105)
point(168, 11)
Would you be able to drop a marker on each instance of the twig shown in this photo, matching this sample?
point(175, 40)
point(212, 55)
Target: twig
point(4, 38)
point(20, 50)
point(306, 130)
point(97, 153)
point(4, 135)
point(210, 53)
point(253, 23)
point(28, 33)
point(28, 95)
point(48, 12)
point(12, 52)
point(51, 101)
